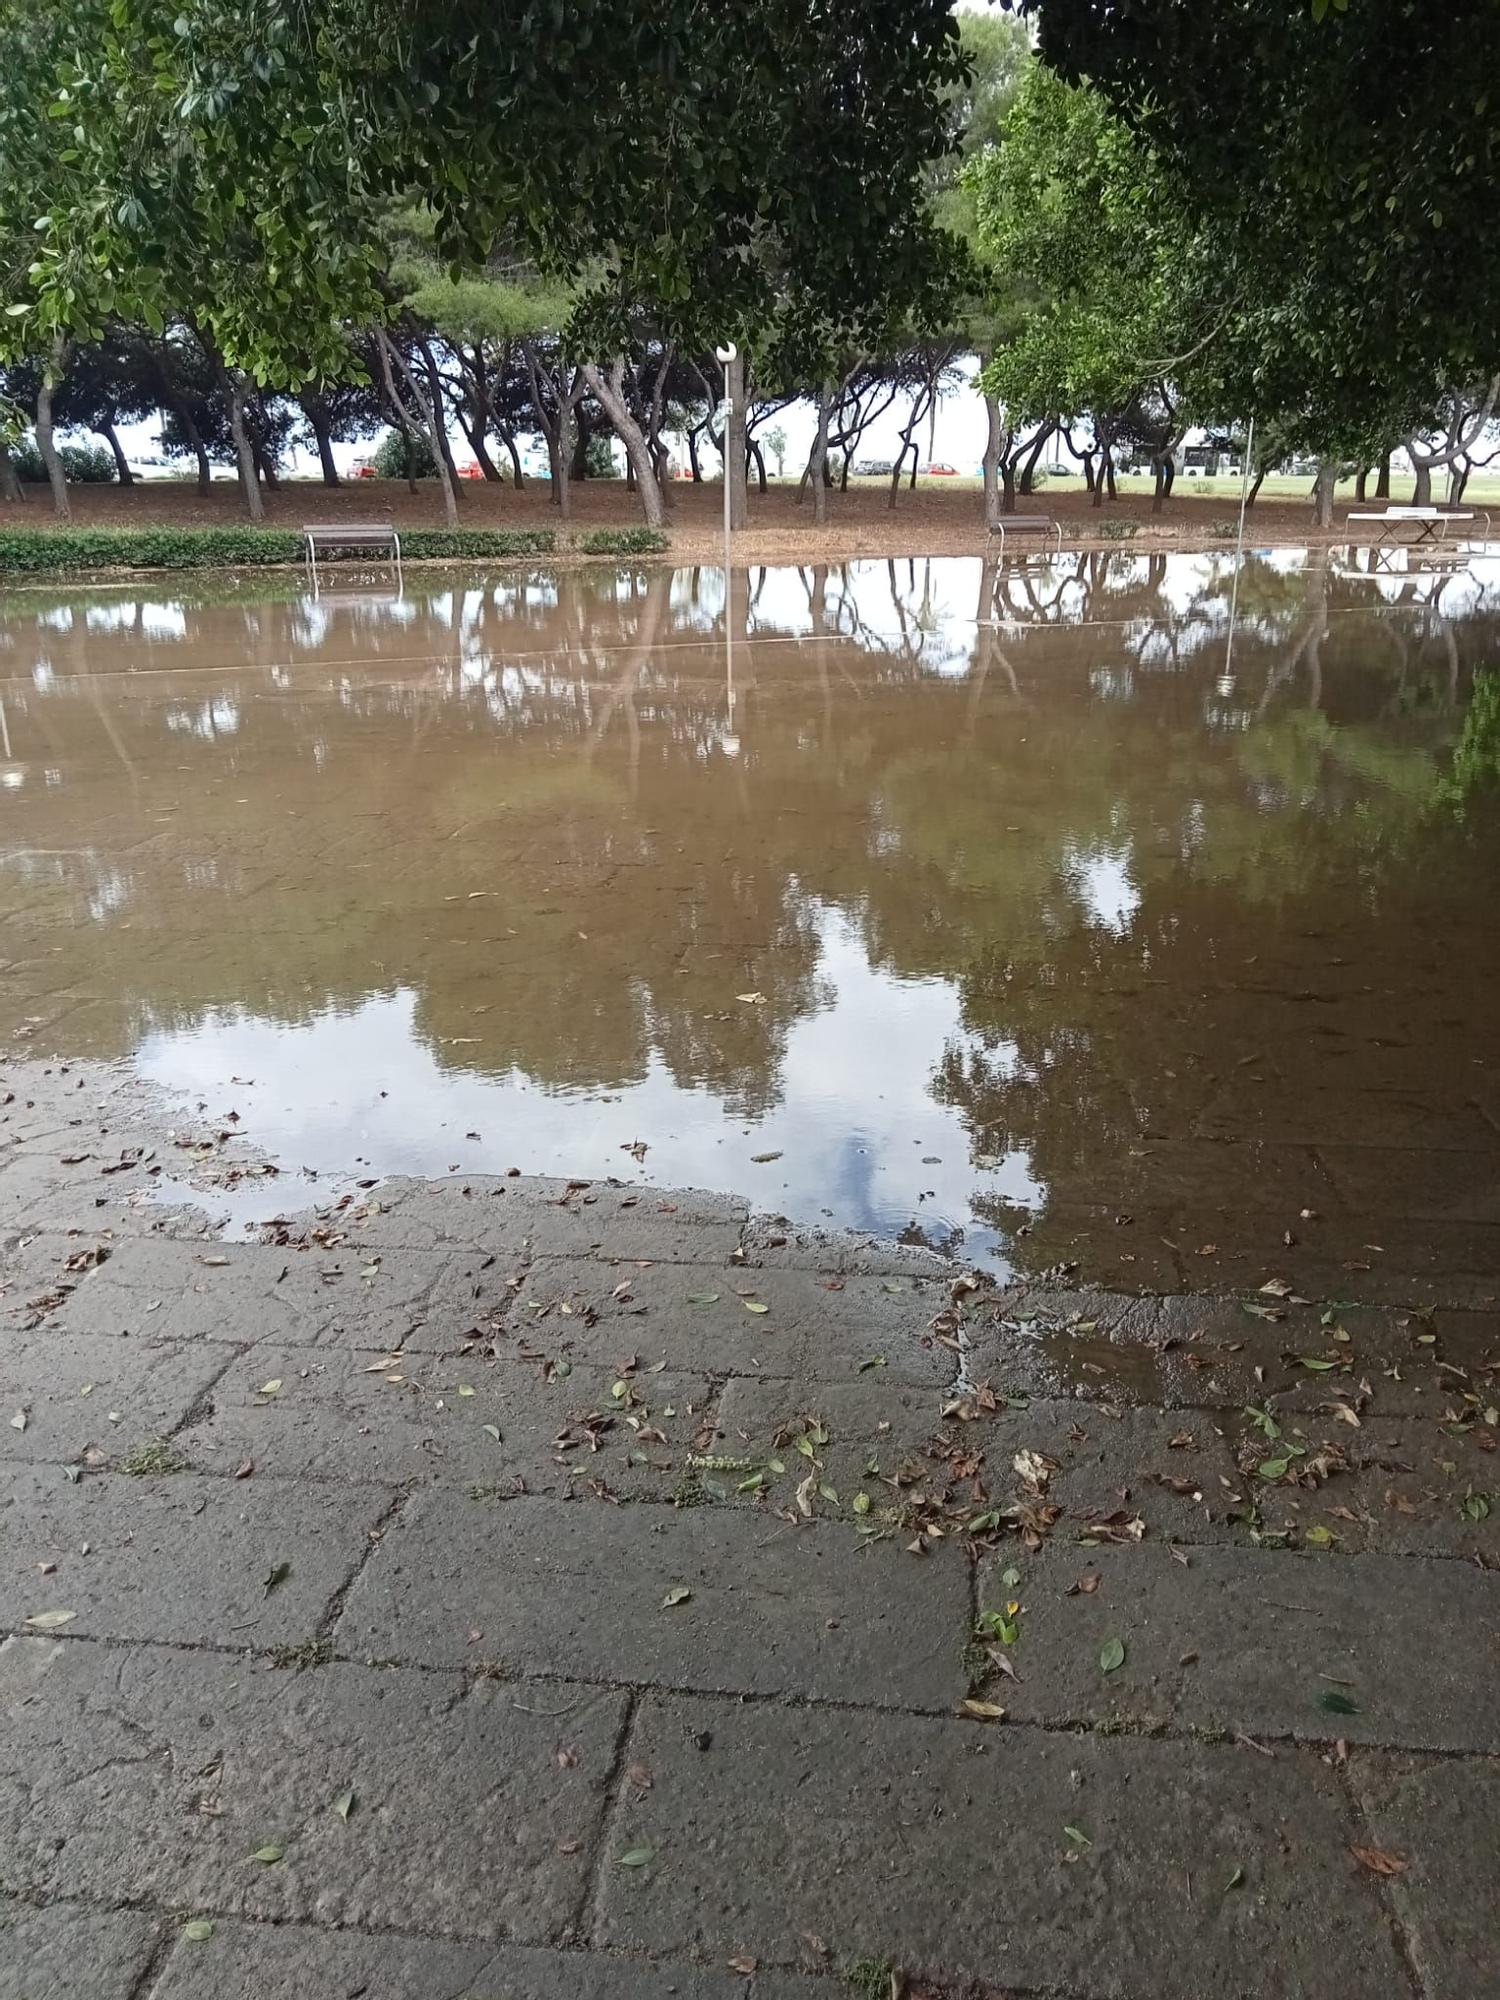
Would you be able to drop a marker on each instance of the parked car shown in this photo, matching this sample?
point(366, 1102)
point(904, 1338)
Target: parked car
point(364, 468)
point(937, 470)
point(873, 468)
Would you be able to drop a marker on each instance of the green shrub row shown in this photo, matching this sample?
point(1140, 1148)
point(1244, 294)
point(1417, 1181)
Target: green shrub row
point(622, 542)
point(440, 542)
point(82, 464)
point(29, 552)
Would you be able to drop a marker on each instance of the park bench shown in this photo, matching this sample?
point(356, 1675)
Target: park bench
point(328, 535)
point(1016, 523)
point(1430, 524)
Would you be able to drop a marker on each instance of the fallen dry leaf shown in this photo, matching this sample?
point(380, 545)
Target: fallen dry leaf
point(1378, 1860)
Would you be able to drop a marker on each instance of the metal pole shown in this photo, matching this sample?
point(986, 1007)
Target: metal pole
point(726, 355)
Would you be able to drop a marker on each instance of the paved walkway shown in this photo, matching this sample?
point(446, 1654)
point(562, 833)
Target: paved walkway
point(521, 1589)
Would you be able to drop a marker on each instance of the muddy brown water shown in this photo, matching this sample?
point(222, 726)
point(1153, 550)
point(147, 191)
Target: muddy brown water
point(1075, 935)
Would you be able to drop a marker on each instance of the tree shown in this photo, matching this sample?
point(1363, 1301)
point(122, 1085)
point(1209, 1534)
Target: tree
point(696, 161)
point(1353, 231)
point(1099, 306)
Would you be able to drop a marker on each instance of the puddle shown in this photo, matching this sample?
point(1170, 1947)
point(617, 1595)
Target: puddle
point(1011, 908)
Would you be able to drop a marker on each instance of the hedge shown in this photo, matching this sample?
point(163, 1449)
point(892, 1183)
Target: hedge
point(29, 552)
point(622, 542)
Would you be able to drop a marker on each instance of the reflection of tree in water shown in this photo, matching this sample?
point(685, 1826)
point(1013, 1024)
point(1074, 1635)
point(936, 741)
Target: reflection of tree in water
point(526, 803)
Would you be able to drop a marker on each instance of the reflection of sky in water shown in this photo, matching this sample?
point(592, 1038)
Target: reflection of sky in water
point(973, 866)
point(863, 1142)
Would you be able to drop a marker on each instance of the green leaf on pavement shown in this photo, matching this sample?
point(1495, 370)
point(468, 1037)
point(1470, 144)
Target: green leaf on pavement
point(678, 1594)
point(636, 1857)
point(199, 1930)
point(1112, 1654)
point(343, 1805)
point(1336, 1703)
point(270, 1854)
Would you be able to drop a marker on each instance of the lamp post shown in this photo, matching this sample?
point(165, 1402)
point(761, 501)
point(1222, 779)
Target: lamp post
point(726, 356)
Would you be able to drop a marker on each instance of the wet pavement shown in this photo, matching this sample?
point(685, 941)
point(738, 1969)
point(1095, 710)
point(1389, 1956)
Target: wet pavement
point(1083, 936)
point(543, 1589)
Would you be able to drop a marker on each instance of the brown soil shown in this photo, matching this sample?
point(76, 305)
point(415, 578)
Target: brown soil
point(932, 521)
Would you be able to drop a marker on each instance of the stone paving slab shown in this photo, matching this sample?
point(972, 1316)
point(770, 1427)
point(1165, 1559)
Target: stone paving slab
point(68, 1952)
point(288, 1962)
point(337, 1415)
point(96, 1399)
point(152, 1775)
point(1402, 1486)
point(770, 1242)
point(894, 1443)
point(941, 1845)
point(707, 1318)
point(579, 1589)
point(1255, 1640)
point(250, 1292)
point(556, 1218)
point(1442, 1821)
point(1182, 1352)
point(178, 1559)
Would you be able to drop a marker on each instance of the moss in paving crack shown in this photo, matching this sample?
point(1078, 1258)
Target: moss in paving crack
point(690, 1492)
point(870, 1978)
point(306, 1653)
point(154, 1460)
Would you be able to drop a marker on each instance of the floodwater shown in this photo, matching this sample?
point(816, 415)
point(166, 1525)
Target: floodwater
point(1019, 908)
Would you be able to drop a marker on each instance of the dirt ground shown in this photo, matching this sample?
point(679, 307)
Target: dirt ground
point(945, 521)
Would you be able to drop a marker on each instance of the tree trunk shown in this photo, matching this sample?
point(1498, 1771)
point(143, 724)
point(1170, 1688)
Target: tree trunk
point(473, 430)
point(1323, 494)
point(692, 445)
point(817, 464)
point(244, 450)
point(447, 470)
point(1159, 484)
point(190, 430)
point(107, 431)
point(421, 414)
point(320, 431)
point(1359, 486)
point(507, 438)
point(608, 386)
point(1383, 483)
point(1028, 471)
point(46, 444)
point(11, 490)
point(736, 460)
point(1421, 492)
point(760, 464)
point(581, 453)
point(562, 464)
point(1250, 498)
point(994, 444)
point(409, 452)
point(265, 466)
point(1008, 483)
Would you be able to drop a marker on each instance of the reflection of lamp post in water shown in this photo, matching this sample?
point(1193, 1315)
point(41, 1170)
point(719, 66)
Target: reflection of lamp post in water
point(726, 356)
